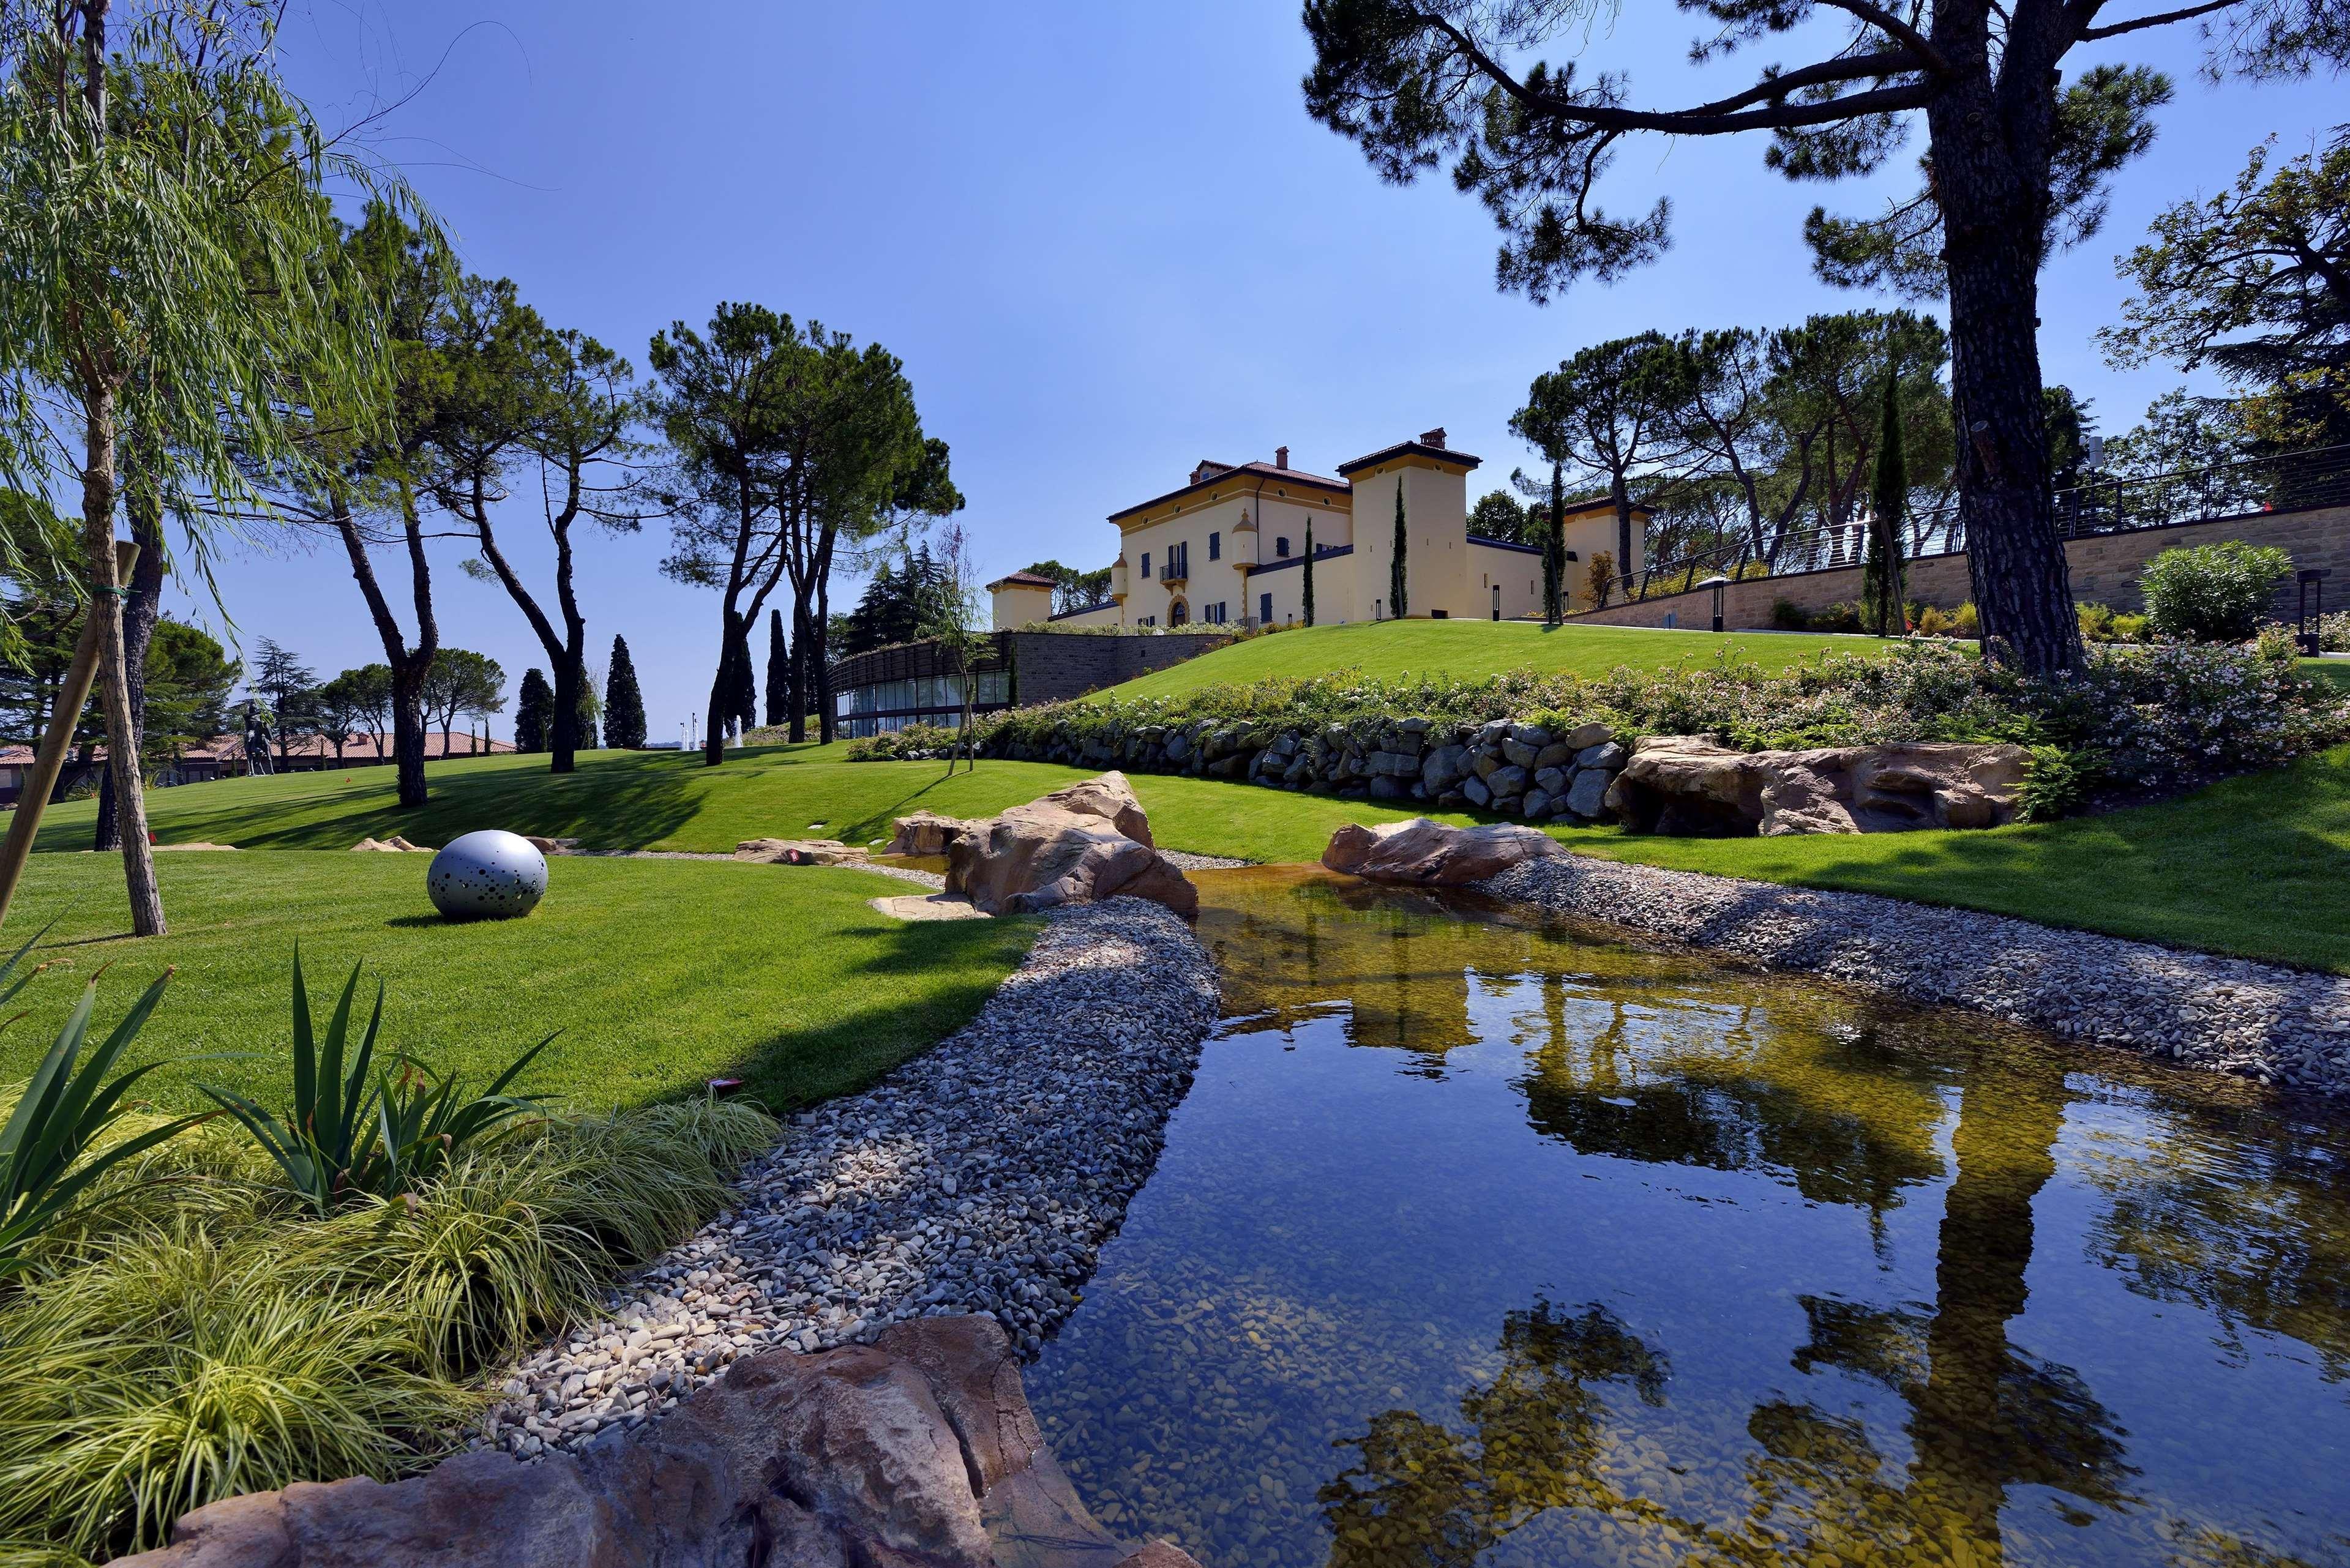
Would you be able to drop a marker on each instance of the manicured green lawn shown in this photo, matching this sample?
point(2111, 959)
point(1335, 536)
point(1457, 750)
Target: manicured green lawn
point(654, 800)
point(2255, 865)
point(1472, 650)
point(660, 973)
point(2258, 866)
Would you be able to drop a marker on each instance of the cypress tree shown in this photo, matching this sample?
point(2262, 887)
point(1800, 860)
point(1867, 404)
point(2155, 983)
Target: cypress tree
point(1888, 501)
point(534, 711)
point(1396, 564)
point(1555, 549)
point(624, 702)
point(1309, 571)
point(779, 670)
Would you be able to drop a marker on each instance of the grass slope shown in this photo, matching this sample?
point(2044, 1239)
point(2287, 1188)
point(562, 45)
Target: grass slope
point(1472, 650)
point(2255, 865)
point(660, 973)
point(653, 800)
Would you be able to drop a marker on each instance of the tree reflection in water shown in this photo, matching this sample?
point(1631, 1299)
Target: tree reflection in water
point(1934, 1431)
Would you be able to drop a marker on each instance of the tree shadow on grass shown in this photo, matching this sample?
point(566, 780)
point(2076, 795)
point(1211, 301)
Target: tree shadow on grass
point(797, 1065)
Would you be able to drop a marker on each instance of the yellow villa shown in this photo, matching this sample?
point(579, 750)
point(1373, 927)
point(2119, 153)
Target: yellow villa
point(1229, 548)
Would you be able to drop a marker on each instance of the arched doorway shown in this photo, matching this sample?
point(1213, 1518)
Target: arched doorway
point(1177, 612)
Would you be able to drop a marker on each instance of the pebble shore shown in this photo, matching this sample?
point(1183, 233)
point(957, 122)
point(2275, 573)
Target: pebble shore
point(2281, 1026)
point(983, 1176)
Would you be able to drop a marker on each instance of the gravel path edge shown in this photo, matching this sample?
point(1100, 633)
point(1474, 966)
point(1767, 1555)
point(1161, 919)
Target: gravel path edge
point(2280, 1025)
point(982, 1175)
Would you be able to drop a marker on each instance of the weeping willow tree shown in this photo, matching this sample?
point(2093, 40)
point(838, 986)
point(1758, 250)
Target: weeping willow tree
point(170, 267)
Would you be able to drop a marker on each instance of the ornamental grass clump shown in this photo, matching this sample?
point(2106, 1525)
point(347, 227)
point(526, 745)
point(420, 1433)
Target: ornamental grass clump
point(195, 1325)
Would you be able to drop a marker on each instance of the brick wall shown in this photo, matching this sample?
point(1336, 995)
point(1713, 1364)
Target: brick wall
point(2105, 569)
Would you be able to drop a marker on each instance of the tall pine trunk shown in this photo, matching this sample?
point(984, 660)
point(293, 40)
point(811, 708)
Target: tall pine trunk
point(1991, 179)
point(820, 662)
point(722, 687)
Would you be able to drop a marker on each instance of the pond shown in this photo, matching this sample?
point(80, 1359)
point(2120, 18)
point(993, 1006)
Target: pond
point(1483, 1239)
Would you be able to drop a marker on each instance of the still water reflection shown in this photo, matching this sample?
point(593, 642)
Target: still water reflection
point(1482, 1241)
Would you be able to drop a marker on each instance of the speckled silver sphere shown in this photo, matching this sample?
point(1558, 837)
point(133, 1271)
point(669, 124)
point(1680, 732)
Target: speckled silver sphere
point(489, 874)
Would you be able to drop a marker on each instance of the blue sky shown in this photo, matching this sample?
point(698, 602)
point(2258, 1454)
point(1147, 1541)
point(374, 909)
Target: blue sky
point(1104, 239)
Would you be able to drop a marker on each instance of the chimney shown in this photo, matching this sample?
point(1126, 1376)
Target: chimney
point(1281, 457)
point(1432, 438)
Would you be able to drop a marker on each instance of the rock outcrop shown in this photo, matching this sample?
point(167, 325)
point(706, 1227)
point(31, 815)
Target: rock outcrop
point(1036, 856)
point(916, 1451)
point(1423, 850)
point(1110, 797)
point(1682, 784)
point(800, 852)
point(926, 833)
point(395, 844)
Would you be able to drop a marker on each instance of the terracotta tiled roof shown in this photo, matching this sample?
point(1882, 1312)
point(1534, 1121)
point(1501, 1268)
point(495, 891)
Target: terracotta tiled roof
point(1408, 449)
point(1261, 470)
point(1022, 579)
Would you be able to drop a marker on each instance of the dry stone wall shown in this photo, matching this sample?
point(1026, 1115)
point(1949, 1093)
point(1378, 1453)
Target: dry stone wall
point(1518, 769)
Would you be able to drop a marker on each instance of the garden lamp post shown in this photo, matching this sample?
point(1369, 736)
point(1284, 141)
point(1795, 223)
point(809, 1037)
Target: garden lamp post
point(2313, 610)
point(1717, 583)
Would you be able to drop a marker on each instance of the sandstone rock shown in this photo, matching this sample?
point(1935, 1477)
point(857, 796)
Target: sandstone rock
point(1681, 784)
point(1110, 797)
point(1583, 736)
point(197, 848)
point(800, 852)
point(926, 833)
point(1034, 857)
point(1424, 850)
point(917, 1451)
point(395, 844)
point(926, 907)
point(550, 845)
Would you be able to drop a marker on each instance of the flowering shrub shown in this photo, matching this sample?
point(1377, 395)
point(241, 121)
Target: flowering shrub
point(914, 744)
point(2212, 593)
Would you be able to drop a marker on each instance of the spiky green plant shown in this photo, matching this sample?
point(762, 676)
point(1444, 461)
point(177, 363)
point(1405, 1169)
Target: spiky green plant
point(50, 1151)
point(349, 1134)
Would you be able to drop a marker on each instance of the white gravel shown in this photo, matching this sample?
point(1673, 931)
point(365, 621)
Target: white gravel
point(2279, 1025)
point(980, 1177)
point(1183, 860)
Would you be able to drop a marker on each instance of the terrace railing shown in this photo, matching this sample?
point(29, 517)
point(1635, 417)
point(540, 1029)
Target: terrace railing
point(2287, 482)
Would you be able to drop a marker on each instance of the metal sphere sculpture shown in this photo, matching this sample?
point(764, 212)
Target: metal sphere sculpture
point(488, 875)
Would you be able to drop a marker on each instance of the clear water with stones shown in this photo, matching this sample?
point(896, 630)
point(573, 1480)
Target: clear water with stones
point(1486, 1240)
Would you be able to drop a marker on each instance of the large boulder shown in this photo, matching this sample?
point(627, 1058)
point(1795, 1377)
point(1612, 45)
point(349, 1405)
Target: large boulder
point(1110, 797)
point(927, 833)
point(1035, 857)
point(917, 1451)
point(1424, 850)
point(1683, 784)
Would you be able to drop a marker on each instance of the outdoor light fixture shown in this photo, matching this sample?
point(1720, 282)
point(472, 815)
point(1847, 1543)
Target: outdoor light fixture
point(2313, 610)
point(1717, 583)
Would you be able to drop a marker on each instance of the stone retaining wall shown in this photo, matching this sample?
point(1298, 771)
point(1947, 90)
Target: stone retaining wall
point(1508, 768)
point(2105, 570)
